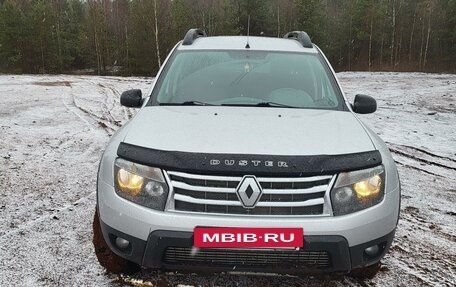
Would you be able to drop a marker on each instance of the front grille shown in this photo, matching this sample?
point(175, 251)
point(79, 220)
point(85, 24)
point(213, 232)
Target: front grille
point(247, 258)
point(281, 195)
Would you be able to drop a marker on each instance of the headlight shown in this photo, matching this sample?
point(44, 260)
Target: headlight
point(357, 190)
point(141, 184)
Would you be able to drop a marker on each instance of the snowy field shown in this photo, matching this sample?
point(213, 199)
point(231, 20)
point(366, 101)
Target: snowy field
point(53, 130)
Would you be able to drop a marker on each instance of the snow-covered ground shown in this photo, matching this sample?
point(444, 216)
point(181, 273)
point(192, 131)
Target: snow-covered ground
point(53, 130)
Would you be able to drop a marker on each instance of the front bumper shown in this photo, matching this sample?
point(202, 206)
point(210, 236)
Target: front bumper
point(154, 234)
point(139, 221)
point(172, 250)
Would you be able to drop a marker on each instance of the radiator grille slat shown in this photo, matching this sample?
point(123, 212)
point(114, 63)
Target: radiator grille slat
point(287, 196)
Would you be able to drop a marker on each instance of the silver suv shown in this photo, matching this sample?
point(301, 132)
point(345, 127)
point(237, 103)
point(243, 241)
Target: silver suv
point(245, 155)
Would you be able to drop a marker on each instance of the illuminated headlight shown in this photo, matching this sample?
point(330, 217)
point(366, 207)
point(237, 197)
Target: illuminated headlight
point(357, 190)
point(140, 184)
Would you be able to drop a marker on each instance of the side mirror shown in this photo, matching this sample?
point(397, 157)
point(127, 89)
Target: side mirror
point(364, 104)
point(131, 98)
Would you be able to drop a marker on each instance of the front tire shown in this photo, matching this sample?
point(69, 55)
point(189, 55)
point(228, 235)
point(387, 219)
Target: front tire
point(106, 257)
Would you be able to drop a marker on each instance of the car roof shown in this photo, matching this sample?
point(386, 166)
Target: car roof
point(239, 43)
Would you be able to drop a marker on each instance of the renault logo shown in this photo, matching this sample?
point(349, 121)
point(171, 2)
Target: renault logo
point(249, 191)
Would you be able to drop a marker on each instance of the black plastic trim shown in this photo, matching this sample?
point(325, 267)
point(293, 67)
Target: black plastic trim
point(296, 165)
point(364, 104)
point(300, 36)
point(159, 240)
point(137, 246)
point(343, 258)
point(359, 259)
point(131, 98)
point(193, 34)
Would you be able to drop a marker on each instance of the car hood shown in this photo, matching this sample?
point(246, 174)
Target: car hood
point(248, 130)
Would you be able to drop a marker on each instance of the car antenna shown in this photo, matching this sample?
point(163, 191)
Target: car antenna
point(247, 46)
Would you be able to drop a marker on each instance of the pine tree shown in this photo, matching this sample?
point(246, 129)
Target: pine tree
point(311, 18)
point(12, 37)
point(43, 56)
point(237, 13)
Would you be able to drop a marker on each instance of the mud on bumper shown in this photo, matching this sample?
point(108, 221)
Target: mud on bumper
point(172, 250)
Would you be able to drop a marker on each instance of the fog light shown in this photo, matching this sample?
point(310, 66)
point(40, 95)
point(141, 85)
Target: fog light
point(372, 251)
point(122, 243)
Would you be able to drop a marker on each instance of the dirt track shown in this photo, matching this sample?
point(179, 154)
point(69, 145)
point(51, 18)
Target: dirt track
point(54, 129)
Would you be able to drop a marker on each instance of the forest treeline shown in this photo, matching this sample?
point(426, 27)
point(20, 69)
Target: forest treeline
point(133, 37)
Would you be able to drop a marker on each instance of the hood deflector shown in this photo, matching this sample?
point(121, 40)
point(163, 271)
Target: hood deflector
point(242, 164)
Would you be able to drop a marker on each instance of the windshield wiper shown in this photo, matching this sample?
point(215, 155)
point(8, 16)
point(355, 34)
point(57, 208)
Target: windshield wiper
point(187, 103)
point(273, 104)
point(261, 104)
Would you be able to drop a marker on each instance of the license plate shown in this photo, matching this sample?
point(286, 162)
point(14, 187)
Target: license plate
point(241, 237)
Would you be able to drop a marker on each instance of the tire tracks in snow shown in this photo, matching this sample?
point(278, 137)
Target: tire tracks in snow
point(413, 259)
point(99, 119)
point(411, 156)
point(416, 168)
point(71, 109)
point(421, 250)
point(92, 122)
point(106, 118)
point(113, 103)
point(423, 151)
point(423, 160)
point(31, 223)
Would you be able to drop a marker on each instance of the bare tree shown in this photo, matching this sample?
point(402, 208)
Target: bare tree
point(411, 34)
point(57, 10)
point(350, 41)
point(393, 33)
point(278, 20)
point(422, 42)
point(428, 33)
point(370, 40)
point(394, 15)
point(156, 34)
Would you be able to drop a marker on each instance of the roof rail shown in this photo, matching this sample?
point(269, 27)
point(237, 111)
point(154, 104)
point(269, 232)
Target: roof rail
point(193, 34)
point(301, 37)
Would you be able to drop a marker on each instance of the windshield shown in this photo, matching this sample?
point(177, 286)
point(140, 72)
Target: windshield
point(246, 78)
